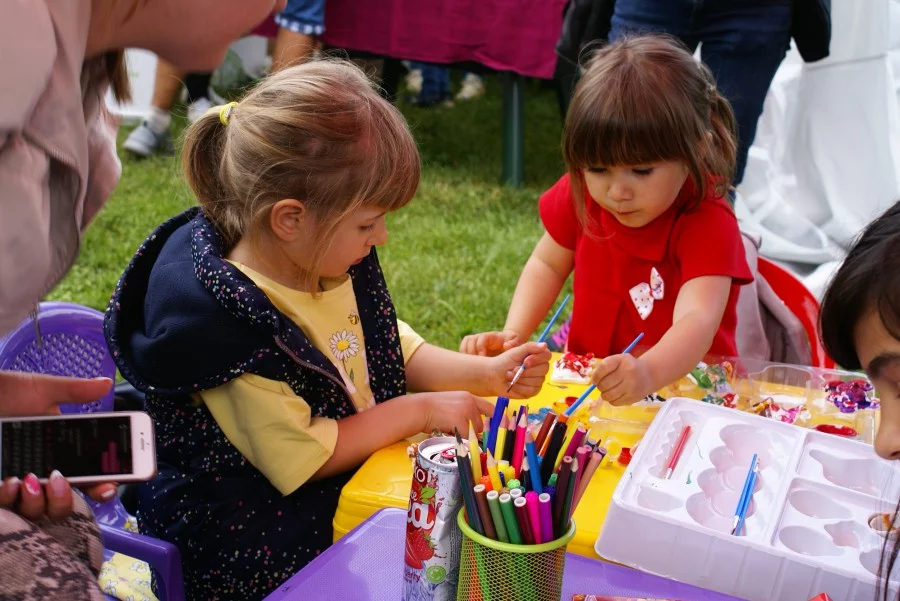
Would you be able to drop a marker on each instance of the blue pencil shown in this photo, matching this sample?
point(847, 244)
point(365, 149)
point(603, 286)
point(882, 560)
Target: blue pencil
point(568, 412)
point(534, 468)
point(746, 495)
point(540, 339)
point(499, 409)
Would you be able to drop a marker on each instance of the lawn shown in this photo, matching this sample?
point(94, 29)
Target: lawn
point(454, 253)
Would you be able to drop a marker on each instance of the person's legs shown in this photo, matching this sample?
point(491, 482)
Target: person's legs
point(197, 87)
point(435, 85)
point(152, 135)
point(674, 17)
point(298, 25)
point(744, 42)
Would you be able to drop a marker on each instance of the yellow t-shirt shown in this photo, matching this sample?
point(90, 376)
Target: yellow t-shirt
point(264, 419)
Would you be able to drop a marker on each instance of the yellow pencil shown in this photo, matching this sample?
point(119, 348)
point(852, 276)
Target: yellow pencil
point(509, 474)
point(474, 454)
point(493, 473)
point(565, 445)
point(501, 437)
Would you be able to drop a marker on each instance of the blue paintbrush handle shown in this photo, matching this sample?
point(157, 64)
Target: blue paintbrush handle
point(568, 412)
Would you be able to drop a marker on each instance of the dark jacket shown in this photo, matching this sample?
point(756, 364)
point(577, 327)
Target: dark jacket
point(183, 320)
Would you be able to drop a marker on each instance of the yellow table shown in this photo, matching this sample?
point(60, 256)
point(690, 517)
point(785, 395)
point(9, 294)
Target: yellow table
point(384, 480)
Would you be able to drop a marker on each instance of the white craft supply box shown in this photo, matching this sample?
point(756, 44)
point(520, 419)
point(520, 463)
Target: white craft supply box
point(806, 530)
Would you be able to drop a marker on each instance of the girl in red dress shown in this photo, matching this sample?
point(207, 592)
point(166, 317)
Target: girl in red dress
point(642, 219)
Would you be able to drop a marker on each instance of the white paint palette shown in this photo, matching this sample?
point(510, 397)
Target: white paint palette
point(807, 527)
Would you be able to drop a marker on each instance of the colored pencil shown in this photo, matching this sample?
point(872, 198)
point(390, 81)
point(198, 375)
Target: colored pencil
point(546, 517)
point(509, 519)
point(497, 516)
point(508, 475)
point(553, 447)
point(525, 476)
point(541, 338)
point(574, 407)
point(676, 452)
point(486, 482)
point(467, 484)
point(510, 441)
point(515, 493)
point(545, 429)
point(485, 431)
point(520, 504)
point(493, 473)
point(474, 454)
point(534, 515)
point(500, 440)
point(562, 485)
point(484, 511)
point(519, 444)
point(534, 469)
point(746, 494)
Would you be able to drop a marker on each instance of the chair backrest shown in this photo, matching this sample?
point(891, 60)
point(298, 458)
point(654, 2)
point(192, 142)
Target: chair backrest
point(72, 344)
point(801, 303)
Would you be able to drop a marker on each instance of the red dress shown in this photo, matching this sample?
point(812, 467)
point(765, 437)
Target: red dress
point(627, 279)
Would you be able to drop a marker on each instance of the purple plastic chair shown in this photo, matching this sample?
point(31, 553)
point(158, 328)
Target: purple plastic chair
point(72, 344)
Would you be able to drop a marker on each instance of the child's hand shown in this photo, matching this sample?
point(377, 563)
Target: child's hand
point(489, 344)
point(447, 410)
point(623, 379)
point(537, 363)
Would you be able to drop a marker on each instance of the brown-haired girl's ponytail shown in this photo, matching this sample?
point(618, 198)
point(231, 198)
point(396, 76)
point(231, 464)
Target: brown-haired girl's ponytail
point(723, 127)
point(201, 158)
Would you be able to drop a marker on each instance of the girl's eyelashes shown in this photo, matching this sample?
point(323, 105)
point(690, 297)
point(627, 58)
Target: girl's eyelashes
point(596, 169)
point(367, 228)
point(642, 171)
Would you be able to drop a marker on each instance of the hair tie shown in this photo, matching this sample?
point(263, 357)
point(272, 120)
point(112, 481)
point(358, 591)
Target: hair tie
point(225, 112)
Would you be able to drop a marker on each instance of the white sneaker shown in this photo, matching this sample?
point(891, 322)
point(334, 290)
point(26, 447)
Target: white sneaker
point(198, 108)
point(143, 142)
point(472, 87)
point(414, 81)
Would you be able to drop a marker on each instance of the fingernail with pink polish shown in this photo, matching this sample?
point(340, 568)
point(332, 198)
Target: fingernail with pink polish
point(58, 484)
point(32, 485)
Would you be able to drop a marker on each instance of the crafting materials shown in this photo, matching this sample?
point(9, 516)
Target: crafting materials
point(509, 519)
point(524, 521)
point(591, 388)
point(541, 338)
point(676, 452)
point(484, 511)
point(494, 507)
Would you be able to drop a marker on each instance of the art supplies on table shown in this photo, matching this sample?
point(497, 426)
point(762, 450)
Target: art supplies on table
point(432, 534)
point(806, 512)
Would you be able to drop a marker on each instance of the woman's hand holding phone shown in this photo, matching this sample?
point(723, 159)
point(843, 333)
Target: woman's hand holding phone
point(25, 394)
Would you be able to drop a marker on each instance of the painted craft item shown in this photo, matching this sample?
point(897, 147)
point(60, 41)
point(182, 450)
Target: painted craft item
point(573, 369)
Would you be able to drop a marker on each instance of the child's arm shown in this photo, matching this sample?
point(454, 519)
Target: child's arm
point(543, 277)
point(701, 302)
point(362, 434)
point(434, 368)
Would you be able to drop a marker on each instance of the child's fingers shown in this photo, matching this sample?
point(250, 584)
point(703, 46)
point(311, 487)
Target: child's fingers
point(605, 368)
point(467, 346)
point(484, 407)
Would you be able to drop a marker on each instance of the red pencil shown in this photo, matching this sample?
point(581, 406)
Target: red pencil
point(545, 428)
point(519, 445)
point(676, 452)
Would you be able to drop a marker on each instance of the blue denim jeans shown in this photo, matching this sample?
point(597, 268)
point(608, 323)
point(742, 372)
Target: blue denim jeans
point(435, 82)
point(742, 41)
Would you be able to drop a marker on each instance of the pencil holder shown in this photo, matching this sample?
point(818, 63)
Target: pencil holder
point(493, 571)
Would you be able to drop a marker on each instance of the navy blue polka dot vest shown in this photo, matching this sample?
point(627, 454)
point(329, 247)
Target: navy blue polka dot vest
point(183, 320)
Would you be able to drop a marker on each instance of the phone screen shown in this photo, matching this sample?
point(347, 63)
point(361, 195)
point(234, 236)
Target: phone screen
point(75, 447)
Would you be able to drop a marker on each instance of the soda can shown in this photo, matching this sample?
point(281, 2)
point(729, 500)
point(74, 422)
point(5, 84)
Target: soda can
point(433, 539)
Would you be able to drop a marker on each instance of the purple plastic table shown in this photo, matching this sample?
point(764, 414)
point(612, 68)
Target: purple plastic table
point(367, 564)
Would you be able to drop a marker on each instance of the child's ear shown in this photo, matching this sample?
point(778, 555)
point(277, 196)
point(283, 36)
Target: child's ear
point(287, 219)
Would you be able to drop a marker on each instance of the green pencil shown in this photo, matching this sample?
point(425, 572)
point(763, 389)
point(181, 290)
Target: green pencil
point(499, 526)
point(509, 518)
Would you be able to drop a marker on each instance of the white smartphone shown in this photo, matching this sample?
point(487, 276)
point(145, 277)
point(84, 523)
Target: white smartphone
point(86, 448)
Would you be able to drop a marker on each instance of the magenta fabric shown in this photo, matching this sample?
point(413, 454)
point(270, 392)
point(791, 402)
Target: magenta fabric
point(506, 35)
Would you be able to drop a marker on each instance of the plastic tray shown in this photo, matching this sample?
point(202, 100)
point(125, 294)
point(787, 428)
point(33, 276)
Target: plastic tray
point(807, 528)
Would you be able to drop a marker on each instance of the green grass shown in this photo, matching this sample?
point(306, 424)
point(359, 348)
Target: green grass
point(454, 254)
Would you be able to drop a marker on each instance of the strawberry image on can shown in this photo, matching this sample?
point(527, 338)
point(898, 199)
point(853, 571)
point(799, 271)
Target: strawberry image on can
point(433, 539)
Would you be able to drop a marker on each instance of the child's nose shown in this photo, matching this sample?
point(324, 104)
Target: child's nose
point(619, 190)
point(887, 441)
